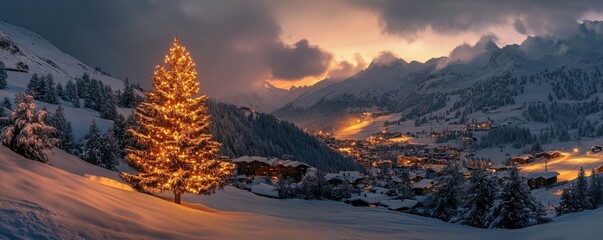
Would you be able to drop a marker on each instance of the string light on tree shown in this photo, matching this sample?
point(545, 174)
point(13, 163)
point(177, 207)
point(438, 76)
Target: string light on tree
point(172, 148)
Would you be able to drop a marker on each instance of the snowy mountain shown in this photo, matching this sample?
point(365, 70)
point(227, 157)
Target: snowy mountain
point(26, 51)
point(475, 81)
point(270, 98)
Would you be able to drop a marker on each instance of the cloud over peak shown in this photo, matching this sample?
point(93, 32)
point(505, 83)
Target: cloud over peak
point(409, 18)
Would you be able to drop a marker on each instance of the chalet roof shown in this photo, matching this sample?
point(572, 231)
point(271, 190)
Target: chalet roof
point(425, 183)
point(269, 161)
point(524, 156)
point(545, 175)
point(349, 176)
point(499, 166)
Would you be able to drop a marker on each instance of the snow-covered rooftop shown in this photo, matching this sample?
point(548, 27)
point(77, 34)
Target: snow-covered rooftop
point(546, 175)
point(425, 183)
point(350, 176)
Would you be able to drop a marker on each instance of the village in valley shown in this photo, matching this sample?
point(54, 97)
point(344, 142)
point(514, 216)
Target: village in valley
point(403, 168)
point(304, 120)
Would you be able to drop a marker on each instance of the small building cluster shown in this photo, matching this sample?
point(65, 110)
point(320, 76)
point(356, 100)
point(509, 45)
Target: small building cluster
point(272, 167)
point(528, 158)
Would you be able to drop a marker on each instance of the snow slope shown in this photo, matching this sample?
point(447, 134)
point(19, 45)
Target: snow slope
point(42, 201)
point(22, 45)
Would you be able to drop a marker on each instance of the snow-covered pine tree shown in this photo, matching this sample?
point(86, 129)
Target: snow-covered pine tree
point(515, 207)
point(281, 187)
point(3, 76)
point(109, 150)
point(108, 106)
point(82, 85)
point(595, 190)
point(64, 132)
point(95, 94)
point(92, 152)
point(342, 191)
point(575, 198)
point(315, 186)
point(567, 203)
point(581, 198)
point(36, 86)
point(444, 202)
point(119, 130)
point(49, 94)
point(480, 193)
point(71, 94)
point(128, 97)
point(60, 90)
point(179, 154)
point(27, 134)
point(286, 188)
point(7, 104)
point(404, 188)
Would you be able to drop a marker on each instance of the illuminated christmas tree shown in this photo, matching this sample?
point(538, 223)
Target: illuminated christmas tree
point(173, 150)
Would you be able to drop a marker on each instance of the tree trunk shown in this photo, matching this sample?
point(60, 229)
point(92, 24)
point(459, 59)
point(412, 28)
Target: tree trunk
point(177, 197)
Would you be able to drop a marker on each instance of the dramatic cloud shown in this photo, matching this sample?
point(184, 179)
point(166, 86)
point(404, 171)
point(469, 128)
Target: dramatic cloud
point(409, 18)
point(466, 52)
point(298, 61)
point(236, 44)
point(345, 69)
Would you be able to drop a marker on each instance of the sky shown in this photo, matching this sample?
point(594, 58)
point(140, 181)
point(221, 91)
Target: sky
point(238, 45)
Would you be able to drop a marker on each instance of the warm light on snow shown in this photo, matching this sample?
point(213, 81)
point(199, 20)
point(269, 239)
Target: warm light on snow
point(567, 166)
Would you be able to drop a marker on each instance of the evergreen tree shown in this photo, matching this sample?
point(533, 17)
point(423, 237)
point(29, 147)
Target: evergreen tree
point(315, 186)
point(128, 97)
point(71, 94)
point(281, 187)
point(49, 93)
point(581, 192)
point(83, 86)
point(93, 147)
point(7, 104)
point(179, 154)
point(343, 191)
point(36, 86)
point(567, 203)
point(480, 194)
point(514, 206)
point(64, 132)
point(3, 76)
point(109, 150)
point(119, 130)
point(444, 202)
point(595, 190)
point(108, 107)
point(575, 198)
point(94, 95)
point(404, 188)
point(60, 90)
point(27, 134)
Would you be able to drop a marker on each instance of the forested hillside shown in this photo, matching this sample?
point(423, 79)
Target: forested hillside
point(245, 133)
